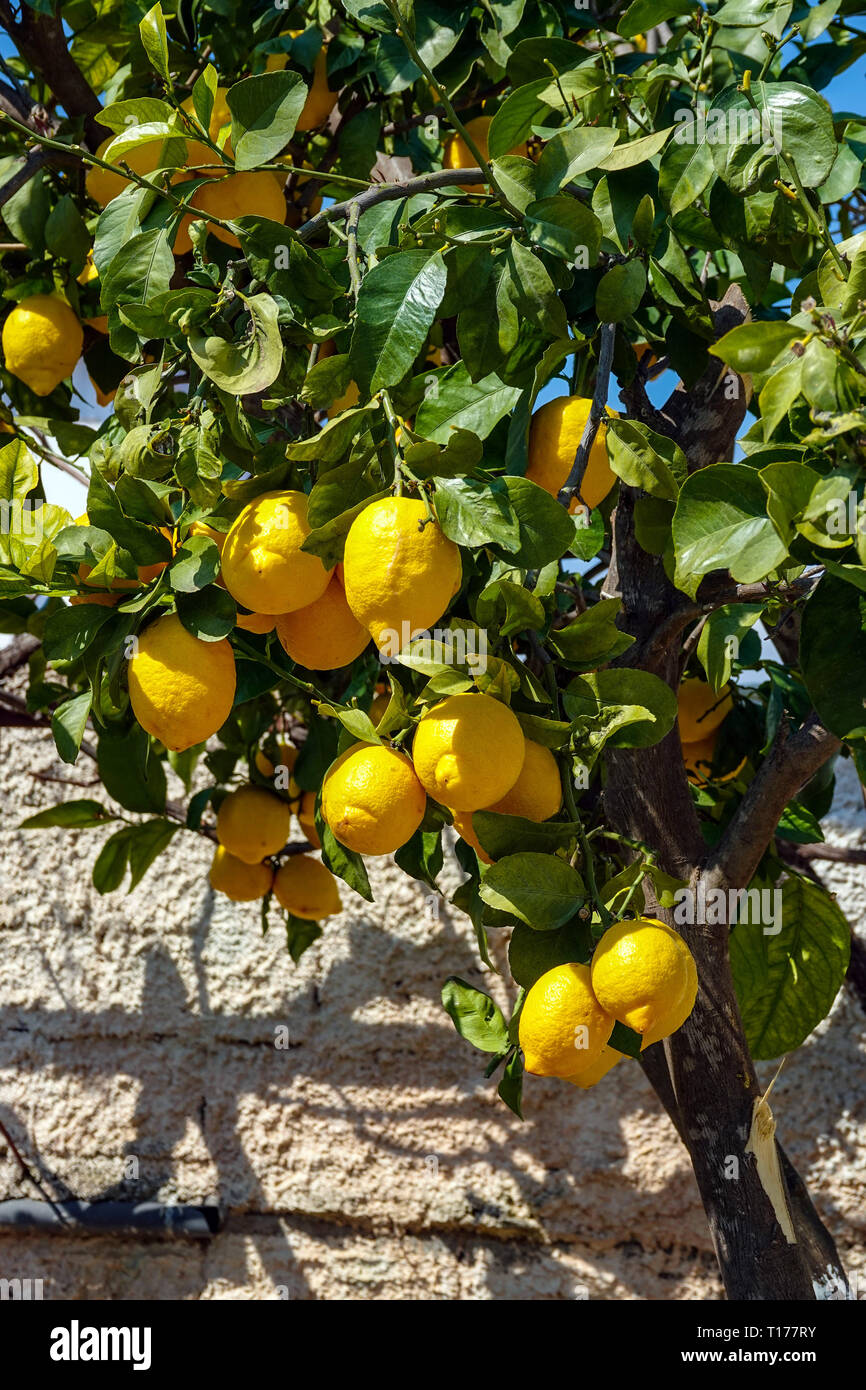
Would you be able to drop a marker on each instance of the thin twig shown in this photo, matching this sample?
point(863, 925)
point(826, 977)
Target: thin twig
point(352, 218)
point(596, 415)
point(389, 192)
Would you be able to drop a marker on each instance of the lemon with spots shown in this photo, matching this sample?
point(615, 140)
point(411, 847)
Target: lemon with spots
point(399, 570)
point(263, 566)
point(307, 888)
point(468, 751)
point(563, 1028)
point(644, 974)
point(241, 882)
point(42, 341)
point(181, 688)
point(372, 800)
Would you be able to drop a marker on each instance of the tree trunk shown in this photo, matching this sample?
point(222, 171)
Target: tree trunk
point(768, 1239)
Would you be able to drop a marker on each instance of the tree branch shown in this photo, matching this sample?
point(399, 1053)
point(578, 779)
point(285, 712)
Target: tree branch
point(42, 43)
point(386, 192)
point(596, 415)
point(792, 760)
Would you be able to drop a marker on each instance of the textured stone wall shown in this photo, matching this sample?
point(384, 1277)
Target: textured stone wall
point(368, 1158)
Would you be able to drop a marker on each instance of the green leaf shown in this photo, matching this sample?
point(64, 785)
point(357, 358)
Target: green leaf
point(754, 347)
point(833, 655)
point(721, 638)
point(624, 707)
point(501, 835)
point(66, 234)
point(510, 1088)
point(642, 15)
point(131, 773)
point(265, 111)
point(474, 1015)
point(68, 723)
point(195, 565)
point(593, 638)
point(570, 153)
point(535, 292)
point(512, 124)
point(644, 459)
point(155, 41)
point(531, 954)
point(146, 843)
point(473, 514)
point(628, 156)
point(748, 133)
point(509, 607)
point(721, 522)
point(685, 171)
point(112, 860)
point(209, 614)
point(78, 815)
point(396, 307)
point(540, 890)
point(300, 935)
point(456, 402)
point(625, 1040)
point(566, 228)
point(620, 291)
point(249, 365)
point(546, 531)
point(345, 863)
point(141, 269)
point(799, 825)
point(69, 631)
point(786, 983)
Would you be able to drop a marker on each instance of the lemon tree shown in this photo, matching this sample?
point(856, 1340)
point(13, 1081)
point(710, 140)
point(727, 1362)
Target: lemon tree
point(478, 472)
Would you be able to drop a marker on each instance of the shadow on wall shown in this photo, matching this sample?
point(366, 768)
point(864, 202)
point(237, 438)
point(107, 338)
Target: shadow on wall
point(193, 1075)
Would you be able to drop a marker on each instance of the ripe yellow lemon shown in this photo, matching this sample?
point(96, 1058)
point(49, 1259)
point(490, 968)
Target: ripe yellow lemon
point(350, 397)
point(251, 824)
point(241, 882)
point(259, 623)
point(400, 572)
point(287, 754)
point(146, 573)
point(307, 818)
point(42, 341)
point(644, 974)
point(326, 634)
point(104, 186)
point(701, 710)
point(554, 434)
point(468, 751)
point(698, 757)
point(457, 154)
point(372, 800)
point(606, 1062)
point(263, 566)
point(563, 1028)
point(537, 793)
point(462, 821)
point(381, 701)
point(181, 688)
point(320, 99)
point(307, 888)
point(251, 193)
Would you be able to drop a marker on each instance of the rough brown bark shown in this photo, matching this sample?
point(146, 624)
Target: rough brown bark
point(704, 1073)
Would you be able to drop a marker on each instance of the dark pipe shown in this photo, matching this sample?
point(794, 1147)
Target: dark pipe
point(114, 1218)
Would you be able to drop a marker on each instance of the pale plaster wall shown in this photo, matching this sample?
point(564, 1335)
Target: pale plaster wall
point(370, 1159)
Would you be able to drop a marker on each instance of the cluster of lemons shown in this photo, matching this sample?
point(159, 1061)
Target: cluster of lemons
point(43, 338)
point(642, 974)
